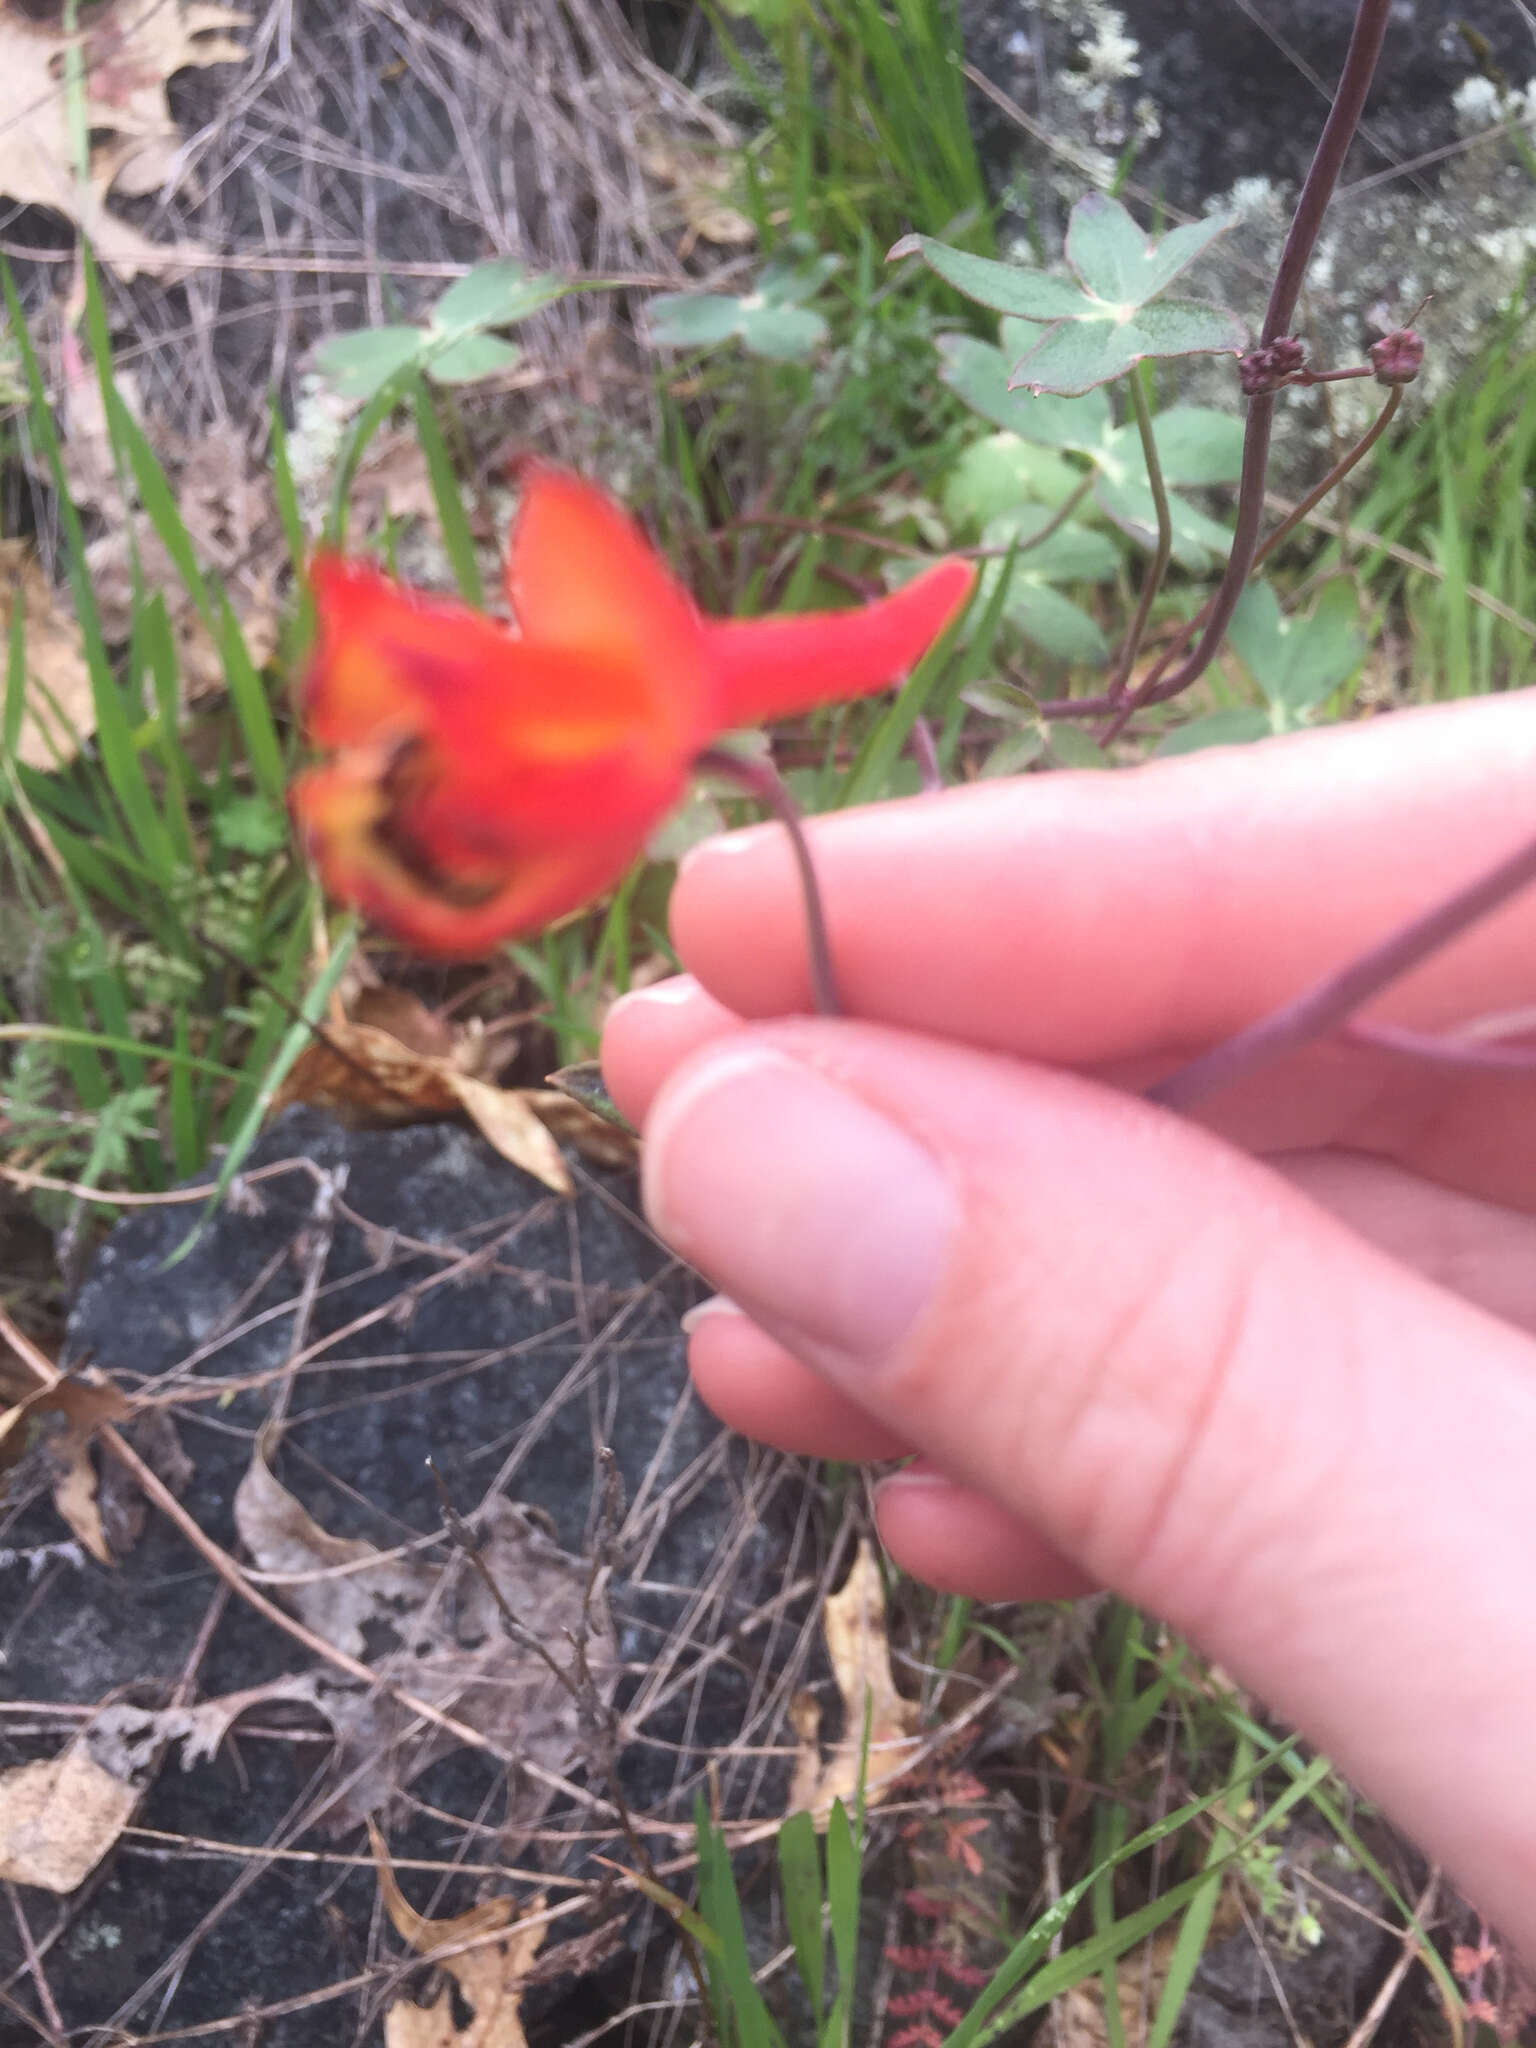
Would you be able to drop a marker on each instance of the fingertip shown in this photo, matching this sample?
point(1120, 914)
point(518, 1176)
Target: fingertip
point(647, 1033)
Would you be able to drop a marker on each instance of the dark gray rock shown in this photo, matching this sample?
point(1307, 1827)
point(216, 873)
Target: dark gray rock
point(1218, 106)
point(451, 1307)
point(1218, 90)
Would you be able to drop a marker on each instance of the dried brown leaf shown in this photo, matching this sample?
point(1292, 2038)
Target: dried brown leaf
point(60, 712)
point(59, 1817)
point(363, 1073)
point(74, 1496)
point(490, 1975)
point(853, 1622)
point(128, 54)
point(424, 1614)
point(392, 483)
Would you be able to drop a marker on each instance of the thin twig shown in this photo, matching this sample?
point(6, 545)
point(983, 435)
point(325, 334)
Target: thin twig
point(1410, 1952)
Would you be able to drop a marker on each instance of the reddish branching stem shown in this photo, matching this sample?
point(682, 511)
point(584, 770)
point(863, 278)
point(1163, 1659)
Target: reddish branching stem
point(1332, 148)
point(1332, 1001)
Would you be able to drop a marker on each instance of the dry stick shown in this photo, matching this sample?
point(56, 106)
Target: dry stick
point(1326, 1006)
point(1411, 1951)
point(591, 1707)
point(762, 780)
point(1333, 146)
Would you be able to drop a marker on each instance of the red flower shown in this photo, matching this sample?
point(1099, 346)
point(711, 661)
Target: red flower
point(482, 781)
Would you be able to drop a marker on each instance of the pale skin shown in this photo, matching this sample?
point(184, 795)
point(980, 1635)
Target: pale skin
point(1269, 1372)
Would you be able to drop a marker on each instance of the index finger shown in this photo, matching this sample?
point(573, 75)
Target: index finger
point(1090, 919)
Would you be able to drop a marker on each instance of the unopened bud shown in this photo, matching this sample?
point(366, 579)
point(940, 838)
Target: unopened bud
point(1398, 356)
point(1266, 368)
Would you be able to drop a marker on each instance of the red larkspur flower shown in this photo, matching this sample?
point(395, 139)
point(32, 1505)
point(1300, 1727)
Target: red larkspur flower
point(481, 780)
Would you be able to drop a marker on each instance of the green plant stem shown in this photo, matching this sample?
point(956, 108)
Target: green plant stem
point(1328, 160)
point(763, 781)
point(1158, 568)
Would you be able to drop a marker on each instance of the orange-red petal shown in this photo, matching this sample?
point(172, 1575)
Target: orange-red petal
point(342, 813)
point(780, 667)
point(583, 578)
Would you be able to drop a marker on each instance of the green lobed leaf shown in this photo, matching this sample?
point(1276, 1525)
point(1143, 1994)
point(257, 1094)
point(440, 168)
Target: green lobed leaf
point(472, 357)
point(977, 373)
point(1128, 503)
point(781, 334)
point(362, 363)
point(1195, 445)
point(1120, 264)
point(495, 294)
point(1237, 727)
point(692, 319)
point(1054, 624)
point(1072, 554)
point(1028, 294)
point(996, 474)
point(795, 272)
point(1297, 662)
point(1074, 356)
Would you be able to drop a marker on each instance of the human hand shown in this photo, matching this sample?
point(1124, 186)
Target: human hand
point(1271, 1374)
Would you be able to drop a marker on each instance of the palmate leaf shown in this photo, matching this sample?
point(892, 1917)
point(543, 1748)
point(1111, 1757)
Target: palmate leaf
point(362, 363)
point(471, 357)
point(693, 319)
point(998, 474)
point(1030, 294)
point(1108, 316)
point(1117, 263)
point(978, 373)
point(1075, 355)
point(494, 294)
point(1298, 662)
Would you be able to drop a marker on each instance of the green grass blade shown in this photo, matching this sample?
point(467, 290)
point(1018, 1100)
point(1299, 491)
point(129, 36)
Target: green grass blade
point(800, 1890)
point(843, 1888)
point(298, 1035)
point(458, 541)
point(740, 2012)
point(253, 708)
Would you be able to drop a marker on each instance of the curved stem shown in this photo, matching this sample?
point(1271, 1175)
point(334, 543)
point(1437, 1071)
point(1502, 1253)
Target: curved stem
point(1326, 1005)
point(1158, 567)
point(1328, 160)
point(760, 779)
point(1153, 690)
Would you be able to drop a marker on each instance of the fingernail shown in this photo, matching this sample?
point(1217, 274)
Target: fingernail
point(712, 1305)
point(815, 1212)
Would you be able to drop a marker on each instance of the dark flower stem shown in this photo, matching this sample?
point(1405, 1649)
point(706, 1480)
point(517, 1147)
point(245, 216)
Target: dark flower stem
point(1333, 146)
point(1153, 689)
point(1326, 1006)
point(760, 779)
